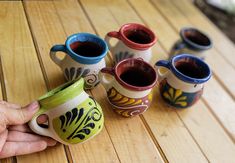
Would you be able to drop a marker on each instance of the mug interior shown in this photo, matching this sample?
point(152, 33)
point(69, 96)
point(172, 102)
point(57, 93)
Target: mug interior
point(191, 67)
point(56, 90)
point(87, 45)
point(196, 38)
point(136, 73)
point(62, 94)
point(138, 34)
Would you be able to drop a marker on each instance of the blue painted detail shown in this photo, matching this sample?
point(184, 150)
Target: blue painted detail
point(187, 98)
point(163, 63)
point(56, 48)
point(86, 37)
point(189, 58)
point(82, 37)
point(193, 45)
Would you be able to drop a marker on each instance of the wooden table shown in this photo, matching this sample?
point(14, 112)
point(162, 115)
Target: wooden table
point(203, 133)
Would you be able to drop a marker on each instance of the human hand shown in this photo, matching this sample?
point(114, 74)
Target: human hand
point(15, 136)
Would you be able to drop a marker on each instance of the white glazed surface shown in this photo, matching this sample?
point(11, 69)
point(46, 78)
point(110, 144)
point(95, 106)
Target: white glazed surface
point(121, 47)
point(56, 112)
point(68, 62)
point(176, 83)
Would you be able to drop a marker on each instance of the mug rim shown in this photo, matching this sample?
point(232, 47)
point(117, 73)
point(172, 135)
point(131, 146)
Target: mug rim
point(84, 59)
point(59, 95)
point(135, 45)
point(185, 77)
point(132, 87)
point(191, 43)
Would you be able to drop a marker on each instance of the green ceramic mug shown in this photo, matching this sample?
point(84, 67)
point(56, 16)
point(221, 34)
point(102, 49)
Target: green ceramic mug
point(73, 115)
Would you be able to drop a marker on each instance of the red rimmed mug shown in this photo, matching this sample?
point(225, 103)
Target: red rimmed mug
point(134, 41)
point(129, 86)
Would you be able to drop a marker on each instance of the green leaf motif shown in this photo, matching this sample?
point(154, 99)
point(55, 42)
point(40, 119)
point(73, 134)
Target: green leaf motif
point(79, 123)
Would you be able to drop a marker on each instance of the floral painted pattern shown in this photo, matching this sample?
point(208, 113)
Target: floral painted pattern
point(176, 97)
point(126, 106)
point(123, 55)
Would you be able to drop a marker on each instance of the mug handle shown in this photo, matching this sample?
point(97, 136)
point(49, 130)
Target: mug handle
point(162, 63)
point(109, 35)
point(53, 51)
point(177, 46)
point(104, 81)
point(34, 126)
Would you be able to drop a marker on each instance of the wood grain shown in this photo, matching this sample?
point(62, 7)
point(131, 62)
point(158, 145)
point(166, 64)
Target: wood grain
point(221, 43)
point(181, 133)
point(147, 145)
point(210, 90)
point(70, 12)
point(161, 134)
point(23, 78)
point(214, 59)
point(51, 13)
point(217, 129)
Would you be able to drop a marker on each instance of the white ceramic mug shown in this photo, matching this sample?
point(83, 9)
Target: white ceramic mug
point(134, 41)
point(77, 65)
point(182, 85)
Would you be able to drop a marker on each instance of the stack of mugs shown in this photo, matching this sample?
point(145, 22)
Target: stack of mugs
point(74, 116)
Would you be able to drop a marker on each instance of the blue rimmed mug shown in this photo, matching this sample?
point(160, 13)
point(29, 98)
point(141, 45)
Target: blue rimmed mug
point(182, 84)
point(193, 41)
point(84, 57)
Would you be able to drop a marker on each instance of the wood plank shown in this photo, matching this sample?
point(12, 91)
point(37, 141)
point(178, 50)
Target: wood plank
point(221, 104)
point(188, 150)
point(23, 78)
point(221, 42)
point(193, 113)
point(194, 130)
point(223, 115)
point(214, 59)
point(127, 135)
point(70, 11)
point(60, 15)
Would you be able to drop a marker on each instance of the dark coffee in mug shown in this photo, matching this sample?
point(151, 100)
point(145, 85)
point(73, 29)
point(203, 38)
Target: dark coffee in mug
point(86, 48)
point(138, 36)
point(197, 38)
point(136, 77)
point(190, 69)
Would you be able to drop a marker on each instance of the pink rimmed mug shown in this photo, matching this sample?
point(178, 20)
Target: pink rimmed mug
point(134, 41)
point(128, 86)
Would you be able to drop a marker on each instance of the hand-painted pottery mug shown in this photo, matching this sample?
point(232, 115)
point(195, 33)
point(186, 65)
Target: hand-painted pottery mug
point(129, 86)
point(182, 85)
point(73, 115)
point(192, 42)
point(134, 41)
point(85, 57)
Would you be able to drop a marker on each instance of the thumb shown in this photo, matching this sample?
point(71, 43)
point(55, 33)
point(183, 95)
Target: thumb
point(20, 116)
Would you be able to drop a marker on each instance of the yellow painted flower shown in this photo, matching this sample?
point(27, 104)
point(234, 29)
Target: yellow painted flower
point(175, 96)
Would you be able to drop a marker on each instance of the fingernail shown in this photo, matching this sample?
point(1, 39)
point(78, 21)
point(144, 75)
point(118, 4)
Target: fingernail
point(33, 106)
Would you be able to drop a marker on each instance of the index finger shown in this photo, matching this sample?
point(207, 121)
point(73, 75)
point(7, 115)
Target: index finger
point(17, 116)
point(10, 105)
point(22, 148)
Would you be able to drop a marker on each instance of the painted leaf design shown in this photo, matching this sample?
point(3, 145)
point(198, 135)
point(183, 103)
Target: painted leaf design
point(69, 117)
point(175, 96)
point(123, 55)
point(67, 73)
point(72, 73)
point(92, 115)
point(79, 72)
point(85, 72)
